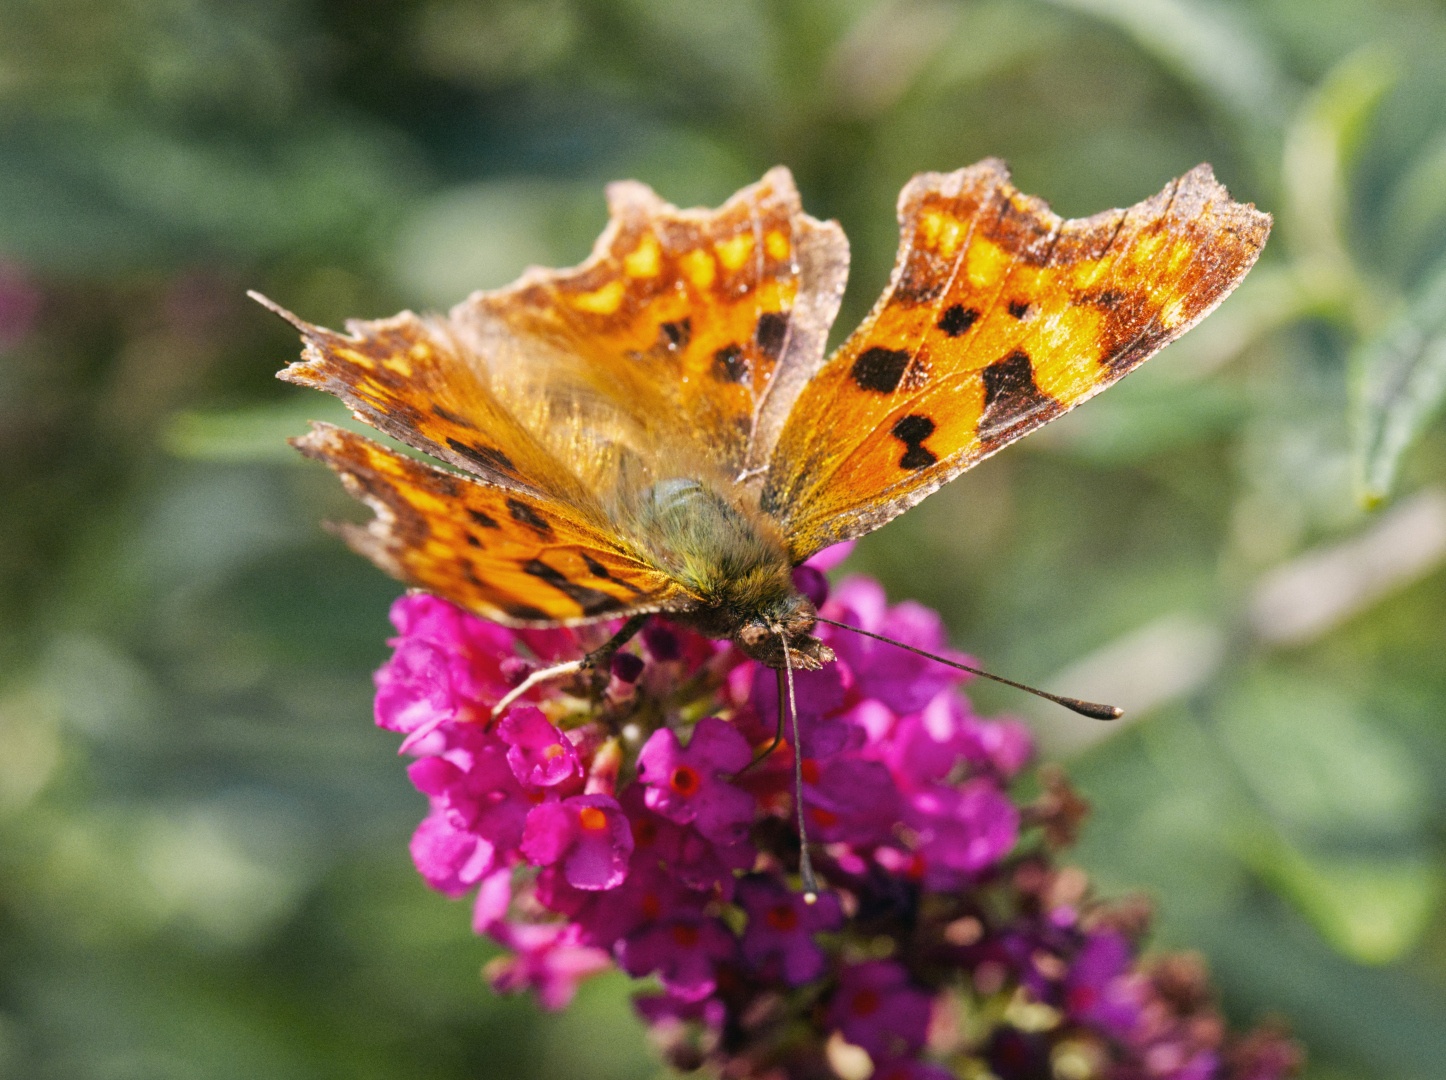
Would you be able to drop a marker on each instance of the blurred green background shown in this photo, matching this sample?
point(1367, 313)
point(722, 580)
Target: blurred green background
point(203, 865)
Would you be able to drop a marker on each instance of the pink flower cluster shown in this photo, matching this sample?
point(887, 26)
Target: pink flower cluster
point(630, 819)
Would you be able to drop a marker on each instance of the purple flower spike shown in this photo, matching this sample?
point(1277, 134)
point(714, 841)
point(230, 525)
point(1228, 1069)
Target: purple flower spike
point(685, 785)
point(539, 754)
point(850, 800)
point(685, 951)
point(962, 830)
point(680, 861)
point(877, 1008)
point(830, 557)
point(902, 680)
point(547, 959)
point(415, 688)
point(811, 582)
point(588, 834)
point(781, 925)
point(450, 859)
point(1100, 991)
point(908, 1069)
point(628, 667)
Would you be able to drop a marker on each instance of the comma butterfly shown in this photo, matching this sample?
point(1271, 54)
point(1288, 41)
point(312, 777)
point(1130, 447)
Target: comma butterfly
point(658, 431)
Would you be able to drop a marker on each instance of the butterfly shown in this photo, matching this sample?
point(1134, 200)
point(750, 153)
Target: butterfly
point(658, 430)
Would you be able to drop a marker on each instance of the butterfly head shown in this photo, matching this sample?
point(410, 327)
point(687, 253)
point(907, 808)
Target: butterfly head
point(765, 639)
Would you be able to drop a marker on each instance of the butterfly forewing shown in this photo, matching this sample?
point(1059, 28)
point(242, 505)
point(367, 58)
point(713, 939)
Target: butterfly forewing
point(505, 554)
point(674, 351)
point(700, 326)
point(1000, 317)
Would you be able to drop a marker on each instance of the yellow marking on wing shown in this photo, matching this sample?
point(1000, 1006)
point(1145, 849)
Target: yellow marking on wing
point(603, 301)
point(698, 266)
point(644, 260)
point(950, 237)
point(985, 263)
point(930, 222)
point(734, 251)
point(361, 360)
point(777, 245)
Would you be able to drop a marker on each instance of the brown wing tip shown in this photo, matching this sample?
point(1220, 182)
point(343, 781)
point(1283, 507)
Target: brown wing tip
point(306, 371)
point(988, 172)
point(306, 328)
point(1198, 192)
point(631, 199)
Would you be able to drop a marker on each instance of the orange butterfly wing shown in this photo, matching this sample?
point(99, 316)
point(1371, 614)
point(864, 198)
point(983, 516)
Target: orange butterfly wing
point(1000, 316)
point(679, 345)
point(507, 555)
point(674, 351)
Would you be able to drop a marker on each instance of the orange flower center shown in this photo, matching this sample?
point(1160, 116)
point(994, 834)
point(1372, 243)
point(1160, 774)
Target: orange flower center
point(810, 771)
point(865, 1003)
point(826, 819)
point(684, 780)
point(686, 936)
point(592, 819)
point(782, 917)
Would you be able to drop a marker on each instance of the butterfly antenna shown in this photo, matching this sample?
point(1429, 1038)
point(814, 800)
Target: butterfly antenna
point(1084, 708)
point(805, 864)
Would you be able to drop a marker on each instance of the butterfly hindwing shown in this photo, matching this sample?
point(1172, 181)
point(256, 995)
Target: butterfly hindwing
point(508, 555)
point(1000, 316)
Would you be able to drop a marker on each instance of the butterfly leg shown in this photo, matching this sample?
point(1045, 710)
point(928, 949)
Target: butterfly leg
point(596, 660)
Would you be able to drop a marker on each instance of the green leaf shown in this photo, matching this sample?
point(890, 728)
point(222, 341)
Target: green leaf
point(1318, 763)
point(1399, 384)
point(1372, 908)
point(1321, 145)
point(1205, 45)
point(255, 434)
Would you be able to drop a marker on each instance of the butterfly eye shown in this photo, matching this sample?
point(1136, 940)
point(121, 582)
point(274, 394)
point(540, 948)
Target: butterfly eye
point(753, 635)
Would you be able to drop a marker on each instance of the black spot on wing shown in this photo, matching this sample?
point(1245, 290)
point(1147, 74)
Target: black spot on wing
point(472, 541)
point(879, 370)
point(598, 570)
point(957, 319)
point(528, 613)
point(1012, 399)
point(730, 365)
point(912, 430)
point(453, 418)
point(1019, 308)
point(770, 334)
point(592, 601)
point(1106, 299)
point(674, 336)
point(488, 457)
point(487, 521)
point(526, 515)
